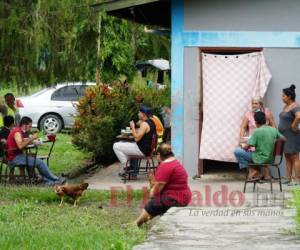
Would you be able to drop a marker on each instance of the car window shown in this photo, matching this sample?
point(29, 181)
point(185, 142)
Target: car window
point(68, 93)
point(81, 89)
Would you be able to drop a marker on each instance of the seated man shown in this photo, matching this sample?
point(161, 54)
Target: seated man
point(263, 139)
point(16, 143)
point(9, 123)
point(142, 136)
point(159, 128)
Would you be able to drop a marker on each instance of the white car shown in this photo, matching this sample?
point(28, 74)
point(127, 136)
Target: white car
point(53, 108)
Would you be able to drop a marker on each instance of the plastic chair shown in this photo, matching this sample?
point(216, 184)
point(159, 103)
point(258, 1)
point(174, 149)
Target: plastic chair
point(149, 161)
point(277, 159)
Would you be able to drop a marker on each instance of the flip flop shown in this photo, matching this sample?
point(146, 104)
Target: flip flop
point(253, 179)
point(266, 178)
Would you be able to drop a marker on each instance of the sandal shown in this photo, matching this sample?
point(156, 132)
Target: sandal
point(266, 178)
point(253, 178)
point(285, 181)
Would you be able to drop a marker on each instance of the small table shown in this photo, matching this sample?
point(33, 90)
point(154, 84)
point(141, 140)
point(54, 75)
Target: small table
point(125, 137)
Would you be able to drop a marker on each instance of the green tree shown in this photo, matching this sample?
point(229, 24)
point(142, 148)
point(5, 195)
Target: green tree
point(48, 41)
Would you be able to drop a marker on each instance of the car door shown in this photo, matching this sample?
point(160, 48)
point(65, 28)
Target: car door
point(80, 91)
point(62, 100)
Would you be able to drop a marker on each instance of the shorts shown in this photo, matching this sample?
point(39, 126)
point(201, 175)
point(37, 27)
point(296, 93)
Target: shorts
point(159, 205)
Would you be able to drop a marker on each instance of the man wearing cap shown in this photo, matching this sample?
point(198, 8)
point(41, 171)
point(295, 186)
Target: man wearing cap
point(142, 136)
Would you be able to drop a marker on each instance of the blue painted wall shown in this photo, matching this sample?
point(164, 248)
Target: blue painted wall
point(177, 78)
point(192, 38)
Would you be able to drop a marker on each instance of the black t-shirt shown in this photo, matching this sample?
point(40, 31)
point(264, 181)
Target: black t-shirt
point(145, 143)
point(4, 132)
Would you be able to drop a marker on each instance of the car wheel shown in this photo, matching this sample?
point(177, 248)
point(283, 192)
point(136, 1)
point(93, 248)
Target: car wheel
point(51, 124)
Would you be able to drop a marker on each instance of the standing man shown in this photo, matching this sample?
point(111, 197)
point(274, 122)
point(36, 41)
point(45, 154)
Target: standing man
point(10, 107)
point(16, 143)
point(166, 115)
point(142, 137)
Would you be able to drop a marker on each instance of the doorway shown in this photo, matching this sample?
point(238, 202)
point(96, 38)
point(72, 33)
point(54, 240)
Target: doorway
point(206, 166)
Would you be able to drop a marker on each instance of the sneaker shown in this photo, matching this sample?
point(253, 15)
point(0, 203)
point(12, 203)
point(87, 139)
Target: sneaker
point(62, 180)
point(122, 174)
point(293, 183)
point(285, 181)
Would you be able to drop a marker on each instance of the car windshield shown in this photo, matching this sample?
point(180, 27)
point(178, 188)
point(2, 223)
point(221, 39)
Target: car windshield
point(41, 92)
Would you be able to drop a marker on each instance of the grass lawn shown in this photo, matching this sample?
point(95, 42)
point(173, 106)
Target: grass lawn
point(31, 219)
point(296, 201)
point(65, 157)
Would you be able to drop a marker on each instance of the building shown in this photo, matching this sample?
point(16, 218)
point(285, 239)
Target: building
point(217, 26)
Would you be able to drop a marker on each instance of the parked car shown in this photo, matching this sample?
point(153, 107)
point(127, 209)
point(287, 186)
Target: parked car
point(53, 108)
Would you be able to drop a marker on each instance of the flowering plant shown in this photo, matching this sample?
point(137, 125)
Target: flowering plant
point(102, 113)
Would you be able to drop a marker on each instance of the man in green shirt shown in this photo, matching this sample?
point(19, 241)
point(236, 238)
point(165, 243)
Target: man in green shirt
point(263, 139)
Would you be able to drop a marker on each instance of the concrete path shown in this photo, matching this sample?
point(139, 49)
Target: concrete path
point(207, 228)
point(221, 216)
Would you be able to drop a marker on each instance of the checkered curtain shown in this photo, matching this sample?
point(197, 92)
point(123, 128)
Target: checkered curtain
point(229, 83)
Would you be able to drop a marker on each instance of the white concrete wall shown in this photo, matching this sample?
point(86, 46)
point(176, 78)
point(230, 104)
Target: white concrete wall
point(242, 15)
point(231, 15)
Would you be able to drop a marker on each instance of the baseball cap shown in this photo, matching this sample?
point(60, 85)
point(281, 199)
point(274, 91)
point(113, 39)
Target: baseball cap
point(146, 110)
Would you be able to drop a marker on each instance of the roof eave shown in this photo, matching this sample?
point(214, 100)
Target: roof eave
point(112, 5)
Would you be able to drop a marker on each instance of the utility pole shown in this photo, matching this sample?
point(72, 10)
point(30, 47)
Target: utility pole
point(98, 50)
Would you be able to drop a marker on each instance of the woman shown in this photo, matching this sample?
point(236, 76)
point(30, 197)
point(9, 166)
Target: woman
point(170, 187)
point(288, 126)
point(248, 123)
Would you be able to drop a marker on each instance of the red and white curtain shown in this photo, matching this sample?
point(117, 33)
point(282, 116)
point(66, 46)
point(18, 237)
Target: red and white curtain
point(229, 83)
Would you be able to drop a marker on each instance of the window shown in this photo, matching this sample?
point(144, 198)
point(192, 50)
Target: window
point(81, 90)
point(68, 93)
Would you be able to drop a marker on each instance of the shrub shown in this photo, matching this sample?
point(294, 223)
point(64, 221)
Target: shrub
point(152, 97)
point(103, 112)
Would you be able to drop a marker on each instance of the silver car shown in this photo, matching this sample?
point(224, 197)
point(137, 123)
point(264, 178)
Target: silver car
point(53, 108)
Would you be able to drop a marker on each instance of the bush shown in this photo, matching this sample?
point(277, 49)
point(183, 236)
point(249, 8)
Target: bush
point(103, 112)
point(152, 97)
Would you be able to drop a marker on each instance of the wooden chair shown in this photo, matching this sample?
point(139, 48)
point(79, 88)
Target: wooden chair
point(149, 162)
point(277, 159)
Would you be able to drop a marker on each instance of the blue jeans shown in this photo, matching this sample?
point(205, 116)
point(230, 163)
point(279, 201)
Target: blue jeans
point(48, 177)
point(243, 157)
